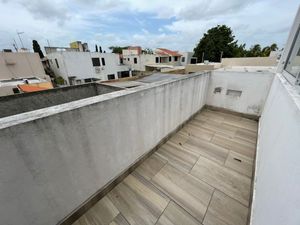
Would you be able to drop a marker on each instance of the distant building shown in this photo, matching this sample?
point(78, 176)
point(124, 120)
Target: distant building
point(77, 67)
point(18, 68)
point(161, 58)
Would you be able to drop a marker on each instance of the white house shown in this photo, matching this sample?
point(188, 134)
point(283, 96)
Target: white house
point(77, 67)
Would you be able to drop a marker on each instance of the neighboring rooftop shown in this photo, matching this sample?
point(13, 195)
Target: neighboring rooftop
point(25, 102)
point(164, 51)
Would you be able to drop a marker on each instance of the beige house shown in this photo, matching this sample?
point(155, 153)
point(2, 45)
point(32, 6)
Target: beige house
point(16, 67)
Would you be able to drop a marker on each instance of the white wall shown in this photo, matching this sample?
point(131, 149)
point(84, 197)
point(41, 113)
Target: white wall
point(254, 86)
point(79, 64)
point(277, 181)
point(53, 159)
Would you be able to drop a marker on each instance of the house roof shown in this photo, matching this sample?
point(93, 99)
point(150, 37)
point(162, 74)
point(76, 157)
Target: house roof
point(165, 51)
point(29, 88)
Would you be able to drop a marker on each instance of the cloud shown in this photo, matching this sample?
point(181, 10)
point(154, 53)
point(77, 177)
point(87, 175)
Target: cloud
point(178, 25)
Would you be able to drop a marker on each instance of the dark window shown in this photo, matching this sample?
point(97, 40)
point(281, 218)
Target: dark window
point(96, 61)
point(121, 60)
point(103, 61)
point(170, 58)
point(88, 80)
point(128, 59)
point(110, 76)
point(56, 63)
point(182, 59)
point(123, 74)
point(156, 60)
point(193, 60)
point(16, 90)
point(135, 60)
point(175, 58)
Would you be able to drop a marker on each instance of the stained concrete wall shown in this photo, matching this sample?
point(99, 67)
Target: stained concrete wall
point(20, 103)
point(53, 159)
point(277, 184)
point(254, 87)
point(250, 61)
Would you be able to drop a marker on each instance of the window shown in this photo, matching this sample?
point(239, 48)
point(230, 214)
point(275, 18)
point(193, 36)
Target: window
point(88, 80)
point(128, 59)
point(183, 59)
point(96, 61)
point(156, 59)
point(121, 60)
point(175, 58)
point(193, 60)
point(56, 63)
point(16, 90)
point(170, 58)
point(292, 65)
point(110, 76)
point(135, 60)
point(103, 61)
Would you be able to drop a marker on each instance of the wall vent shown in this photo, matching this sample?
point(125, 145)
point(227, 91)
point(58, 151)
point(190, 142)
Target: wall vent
point(234, 93)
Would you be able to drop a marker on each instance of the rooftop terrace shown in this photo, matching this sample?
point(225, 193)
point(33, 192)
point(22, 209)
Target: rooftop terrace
point(201, 175)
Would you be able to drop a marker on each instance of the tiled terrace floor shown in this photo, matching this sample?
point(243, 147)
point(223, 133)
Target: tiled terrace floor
point(202, 175)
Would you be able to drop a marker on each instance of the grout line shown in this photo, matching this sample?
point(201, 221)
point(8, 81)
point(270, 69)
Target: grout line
point(163, 212)
point(208, 204)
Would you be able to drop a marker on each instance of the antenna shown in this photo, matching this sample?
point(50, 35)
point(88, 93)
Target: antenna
point(15, 45)
point(18, 33)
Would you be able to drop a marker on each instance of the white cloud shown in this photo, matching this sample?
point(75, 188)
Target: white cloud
point(178, 25)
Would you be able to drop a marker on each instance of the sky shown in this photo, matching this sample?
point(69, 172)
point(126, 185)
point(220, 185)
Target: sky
point(173, 24)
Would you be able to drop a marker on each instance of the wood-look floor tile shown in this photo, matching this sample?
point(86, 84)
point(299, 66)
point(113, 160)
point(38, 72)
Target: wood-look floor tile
point(245, 124)
point(222, 129)
point(178, 156)
point(119, 220)
point(179, 138)
point(239, 163)
point(197, 131)
point(235, 144)
point(226, 180)
point(207, 149)
point(138, 203)
point(102, 213)
point(246, 135)
point(151, 166)
point(175, 215)
point(190, 193)
point(224, 210)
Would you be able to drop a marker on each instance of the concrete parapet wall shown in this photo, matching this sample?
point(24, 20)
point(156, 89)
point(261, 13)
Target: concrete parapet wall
point(53, 159)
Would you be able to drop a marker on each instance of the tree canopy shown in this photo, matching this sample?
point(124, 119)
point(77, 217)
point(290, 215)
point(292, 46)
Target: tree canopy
point(220, 42)
point(117, 49)
point(37, 48)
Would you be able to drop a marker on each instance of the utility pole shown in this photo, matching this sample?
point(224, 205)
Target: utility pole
point(48, 43)
point(18, 33)
point(202, 57)
point(221, 56)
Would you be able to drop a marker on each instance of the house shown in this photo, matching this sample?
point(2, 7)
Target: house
point(160, 58)
point(18, 68)
point(77, 67)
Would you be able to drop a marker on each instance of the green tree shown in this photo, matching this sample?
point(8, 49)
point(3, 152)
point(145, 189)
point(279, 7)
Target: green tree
point(217, 41)
point(37, 48)
point(147, 51)
point(255, 51)
point(117, 49)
